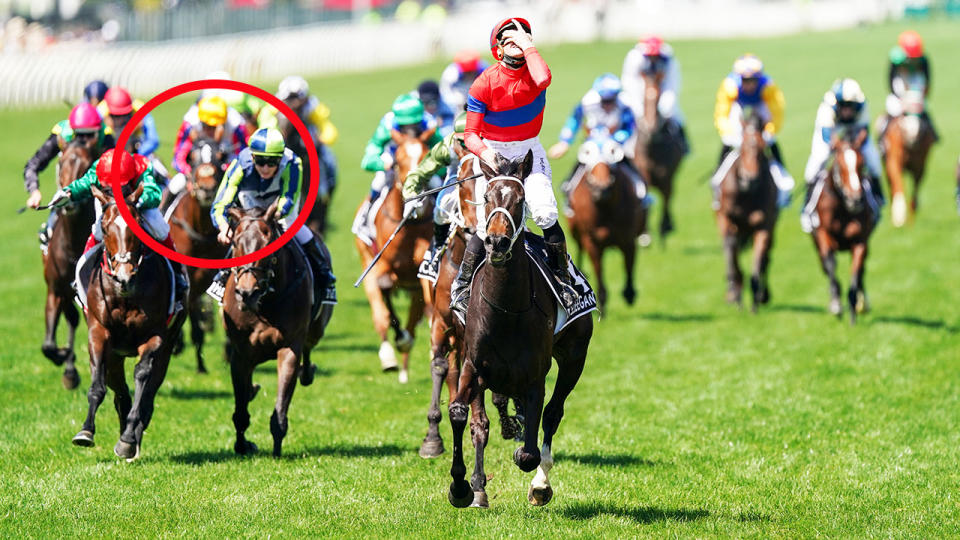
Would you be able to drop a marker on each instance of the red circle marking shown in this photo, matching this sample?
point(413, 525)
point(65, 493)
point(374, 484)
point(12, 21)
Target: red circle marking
point(269, 249)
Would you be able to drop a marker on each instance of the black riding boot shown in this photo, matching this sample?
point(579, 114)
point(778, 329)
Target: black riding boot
point(219, 284)
point(431, 266)
point(684, 141)
point(460, 289)
point(318, 262)
point(557, 259)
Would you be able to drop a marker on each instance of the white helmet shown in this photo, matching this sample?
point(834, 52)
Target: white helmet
point(848, 91)
point(294, 85)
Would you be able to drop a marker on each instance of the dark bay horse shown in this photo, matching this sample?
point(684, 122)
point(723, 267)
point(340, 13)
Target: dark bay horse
point(60, 261)
point(606, 213)
point(397, 268)
point(845, 218)
point(128, 314)
point(658, 151)
point(905, 146)
point(748, 212)
point(317, 220)
point(267, 314)
point(509, 343)
point(194, 234)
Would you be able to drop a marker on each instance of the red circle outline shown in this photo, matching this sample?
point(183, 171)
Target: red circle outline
point(269, 249)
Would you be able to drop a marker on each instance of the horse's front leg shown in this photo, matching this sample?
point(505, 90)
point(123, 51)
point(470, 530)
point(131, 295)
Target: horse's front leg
point(405, 339)
point(460, 494)
point(71, 378)
point(51, 318)
point(117, 381)
point(527, 457)
point(734, 275)
point(762, 241)
point(383, 319)
point(148, 374)
point(241, 374)
point(197, 335)
point(480, 433)
point(828, 261)
point(288, 362)
point(855, 298)
point(595, 253)
point(511, 427)
point(98, 342)
point(629, 260)
point(439, 367)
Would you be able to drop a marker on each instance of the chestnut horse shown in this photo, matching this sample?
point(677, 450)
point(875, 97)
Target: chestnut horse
point(606, 212)
point(60, 261)
point(317, 220)
point(194, 234)
point(128, 314)
point(845, 217)
point(509, 343)
point(658, 151)
point(397, 268)
point(748, 212)
point(267, 314)
point(905, 145)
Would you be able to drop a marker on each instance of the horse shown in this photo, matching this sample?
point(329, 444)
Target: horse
point(194, 234)
point(845, 217)
point(906, 142)
point(317, 220)
point(658, 149)
point(128, 314)
point(446, 332)
point(60, 261)
point(748, 212)
point(509, 343)
point(397, 267)
point(606, 212)
point(267, 314)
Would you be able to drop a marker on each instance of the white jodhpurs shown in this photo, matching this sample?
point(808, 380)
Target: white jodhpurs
point(541, 203)
point(304, 233)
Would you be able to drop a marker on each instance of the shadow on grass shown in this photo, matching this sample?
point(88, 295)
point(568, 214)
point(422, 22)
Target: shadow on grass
point(798, 308)
point(677, 317)
point(640, 514)
point(180, 393)
point(347, 347)
point(605, 460)
point(910, 320)
point(339, 451)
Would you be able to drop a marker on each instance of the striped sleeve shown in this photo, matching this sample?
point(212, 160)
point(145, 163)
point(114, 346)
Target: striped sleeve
point(225, 195)
point(291, 178)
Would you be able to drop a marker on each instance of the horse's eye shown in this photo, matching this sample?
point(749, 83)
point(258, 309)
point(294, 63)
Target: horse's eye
point(273, 260)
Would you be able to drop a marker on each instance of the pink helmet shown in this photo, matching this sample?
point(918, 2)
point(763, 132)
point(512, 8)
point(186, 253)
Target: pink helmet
point(652, 45)
point(84, 118)
point(118, 101)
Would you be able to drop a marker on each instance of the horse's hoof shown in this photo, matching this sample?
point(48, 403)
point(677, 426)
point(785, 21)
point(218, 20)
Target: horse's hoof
point(403, 377)
point(480, 500)
point(84, 438)
point(540, 496)
point(526, 462)
point(460, 494)
point(245, 448)
point(863, 304)
point(899, 210)
point(70, 379)
point(253, 391)
point(388, 359)
point(404, 341)
point(125, 450)
point(306, 376)
point(202, 370)
point(629, 295)
point(431, 448)
point(644, 240)
point(836, 308)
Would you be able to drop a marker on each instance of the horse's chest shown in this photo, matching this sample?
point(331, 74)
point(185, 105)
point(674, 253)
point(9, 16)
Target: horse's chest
point(266, 336)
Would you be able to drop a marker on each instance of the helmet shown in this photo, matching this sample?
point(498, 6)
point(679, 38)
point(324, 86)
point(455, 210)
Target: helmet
point(608, 86)
point(748, 66)
point(95, 90)
point(118, 101)
point(428, 90)
point(84, 118)
point(847, 92)
point(505, 24)
point(911, 43)
point(407, 110)
point(212, 111)
point(652, 46)
point(266, 142)
point(293, 86)
point(129, 168)
point(460, 124)
point(467, 60)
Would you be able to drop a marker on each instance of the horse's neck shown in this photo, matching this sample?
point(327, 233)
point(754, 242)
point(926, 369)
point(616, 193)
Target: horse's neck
point(509, 286)
point(393, 204)
point(197, 216)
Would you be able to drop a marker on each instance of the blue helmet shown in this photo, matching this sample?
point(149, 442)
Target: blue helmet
point(608, 86)
point(95, 89)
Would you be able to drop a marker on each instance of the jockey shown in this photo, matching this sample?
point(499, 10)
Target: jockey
point(446, 153)
point(457, 77)
point(604, 117)
point(652, 56)
point(504, 116)
point(406, 113)
point(295, 92)
point(208, 118)
point(844, 107)
point(84, 124)
point(117, 109)
point(909, 71)
point(134, 171)
point(94, 92)
point(749, 86)
point(429, 94)
point(266, 171)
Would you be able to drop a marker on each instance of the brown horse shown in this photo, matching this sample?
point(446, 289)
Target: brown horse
point(509, 343)
point(60, 261)
point(397, 268)
point(658, 151)
point(317, 220)
point(846, 218)
point(606, 213)
point(194, 234)
point(128, 314)
point(267, 314)
point(906, 142)
point(748, 212)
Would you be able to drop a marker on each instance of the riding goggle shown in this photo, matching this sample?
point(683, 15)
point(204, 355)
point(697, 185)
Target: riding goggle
point(267, 161)
point(84, 135)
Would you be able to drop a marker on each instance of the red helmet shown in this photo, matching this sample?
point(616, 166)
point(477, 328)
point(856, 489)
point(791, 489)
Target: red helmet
point(84, 118)
point(911, 43)
point(652, 45)
point(467, 60)
point(118, 101)
point(130, 167)
point(500, 27)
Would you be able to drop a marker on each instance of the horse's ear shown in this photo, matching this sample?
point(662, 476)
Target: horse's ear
point(427, 135)
point(526, 166)
point(235, 213)
point(396, 136)
point(99, 194)
point(486, 168)
point(271, 211)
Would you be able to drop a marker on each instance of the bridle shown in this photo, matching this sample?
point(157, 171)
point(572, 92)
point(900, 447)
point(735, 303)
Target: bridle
point(501, 210)
point(110, 261)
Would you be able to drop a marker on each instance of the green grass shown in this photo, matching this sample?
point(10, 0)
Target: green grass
point(691, 419)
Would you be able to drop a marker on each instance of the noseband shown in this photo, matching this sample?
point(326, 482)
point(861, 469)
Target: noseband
point(501, 210)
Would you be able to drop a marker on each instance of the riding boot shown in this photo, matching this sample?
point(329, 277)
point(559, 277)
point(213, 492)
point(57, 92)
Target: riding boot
point(876, 188)
point(926, 117)
point(431, 261)
point(318, 262)
point(179, 272)
point(684, 141)
point(361, 223)
point(806, 214)
point(460, 289)
point(557, 259)
point(219, 284)
point(46, 229)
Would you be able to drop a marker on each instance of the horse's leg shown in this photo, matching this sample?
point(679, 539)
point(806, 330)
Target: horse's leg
point(241, 374)
point(480, 433)
point(307, 369)
point(383, 319)
point(918, 172)
point(99, 347)
point(761, 256)
point(117, 381)
point(595, 253)
point(893, 162)
point(51, 318)
point(71, 378)
point(439, 367)
point(288, 362)
point(858, 255)
point(629, 249)
point(734, 275)
point(666, 220)
point(405, 339)
point(527, 457)
point(197, 335)
point(828, 261)
point(148, 374)
point(510, 426)
point(460, 494)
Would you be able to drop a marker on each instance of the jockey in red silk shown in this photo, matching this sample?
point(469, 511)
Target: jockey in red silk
point(504, 116)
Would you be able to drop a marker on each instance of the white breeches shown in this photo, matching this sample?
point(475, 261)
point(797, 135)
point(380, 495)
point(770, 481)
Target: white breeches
point(820, 153)
point(304, 233)
point(541, 204)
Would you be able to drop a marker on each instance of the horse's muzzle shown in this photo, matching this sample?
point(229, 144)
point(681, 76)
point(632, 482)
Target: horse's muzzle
point(498, 250)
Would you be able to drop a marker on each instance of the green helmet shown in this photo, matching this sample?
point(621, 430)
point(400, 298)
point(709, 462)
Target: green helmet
point(266, 142)
point(460, 124)
point(407, 110)
point(897, 55)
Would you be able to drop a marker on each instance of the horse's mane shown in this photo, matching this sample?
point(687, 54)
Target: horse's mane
point(751, 116)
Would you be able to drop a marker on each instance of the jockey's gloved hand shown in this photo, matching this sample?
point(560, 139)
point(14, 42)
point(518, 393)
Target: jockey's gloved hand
point(490, 156)
point(33, 201)
point(60, 198)
point(225, 235)
point(409, 190)
point(518, 37)
point(411, 207)
point(387, 159)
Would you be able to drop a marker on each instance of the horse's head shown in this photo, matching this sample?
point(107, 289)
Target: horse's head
point(206, 161)
point(845, 171)
point(652, 81)
point(598, 157)
point(75, 161)
point(254, 229)
point(504, 205)
point(411, 149)
point(122, 249)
